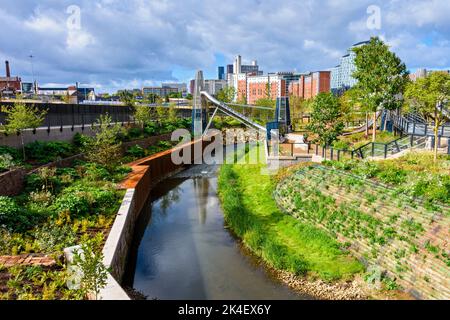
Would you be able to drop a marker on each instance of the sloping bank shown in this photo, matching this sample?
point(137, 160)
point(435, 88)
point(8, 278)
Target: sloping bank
point(304, 257)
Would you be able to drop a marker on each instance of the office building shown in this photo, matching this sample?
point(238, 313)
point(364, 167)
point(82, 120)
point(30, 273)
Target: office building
point(342, 75)
point(221, 73)
point(214, 86)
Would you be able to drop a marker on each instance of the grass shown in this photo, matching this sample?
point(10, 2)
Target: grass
point(279, 239)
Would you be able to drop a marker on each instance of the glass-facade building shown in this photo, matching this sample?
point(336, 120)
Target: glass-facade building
point(341, 75)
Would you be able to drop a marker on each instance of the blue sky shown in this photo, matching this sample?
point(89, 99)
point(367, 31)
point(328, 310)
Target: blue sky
point(131, 43)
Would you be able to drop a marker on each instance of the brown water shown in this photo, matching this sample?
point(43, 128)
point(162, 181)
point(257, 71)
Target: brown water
point(183, 250)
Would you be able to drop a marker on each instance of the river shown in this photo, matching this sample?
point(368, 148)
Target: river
point(182, 249)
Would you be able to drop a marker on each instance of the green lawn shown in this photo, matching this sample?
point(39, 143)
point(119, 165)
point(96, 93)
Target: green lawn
point(282, 241)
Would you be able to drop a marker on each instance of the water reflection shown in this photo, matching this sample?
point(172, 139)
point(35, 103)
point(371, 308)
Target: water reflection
point(184, 251)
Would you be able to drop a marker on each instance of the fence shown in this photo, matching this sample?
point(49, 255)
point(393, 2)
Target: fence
point(60, 115)
point(371, 149)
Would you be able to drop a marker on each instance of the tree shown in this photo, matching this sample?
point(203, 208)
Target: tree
point(143, 115)
point(105, 148)
point(351, 104)
point(127, 98)
point(226, 94)
point(326, 121)
point(268, 103)
point(94, 273)
point(381, 77)
point(22, 117)
point(428, 96)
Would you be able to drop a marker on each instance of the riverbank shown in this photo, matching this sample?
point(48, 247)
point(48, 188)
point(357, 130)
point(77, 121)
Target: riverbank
point(304, 257)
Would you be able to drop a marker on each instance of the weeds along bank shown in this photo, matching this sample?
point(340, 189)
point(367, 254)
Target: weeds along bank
point(63, 207)
point(393, 216)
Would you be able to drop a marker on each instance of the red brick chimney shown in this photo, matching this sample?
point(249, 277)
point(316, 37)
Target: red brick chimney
point(8, 72)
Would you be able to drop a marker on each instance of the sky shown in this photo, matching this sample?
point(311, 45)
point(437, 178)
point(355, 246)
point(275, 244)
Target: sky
point(115, 44)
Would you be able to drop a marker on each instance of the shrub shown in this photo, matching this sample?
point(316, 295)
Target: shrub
point(45, 152)
point(81, 200)
point(151, 129)
point(16, 218)
point(11, 151)
point(6, 162)
point(134, 133)
point(80, 140)
point(136, 151)
point(51, 238)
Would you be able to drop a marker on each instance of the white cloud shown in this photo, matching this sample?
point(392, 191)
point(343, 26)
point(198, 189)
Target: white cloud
point(133, 42)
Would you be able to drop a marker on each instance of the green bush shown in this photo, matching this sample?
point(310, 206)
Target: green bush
point(82, 200)
point(16, 218)
point(45, 152)
point(134, 133)
point(151, 129)
point(136, 151)
point(80, 140)
point(11, 151)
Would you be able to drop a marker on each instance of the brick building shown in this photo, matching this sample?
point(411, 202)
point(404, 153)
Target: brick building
point(10, 84)
point(310, 85)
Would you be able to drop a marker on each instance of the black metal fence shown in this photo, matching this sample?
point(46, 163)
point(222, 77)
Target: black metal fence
point(59, 115)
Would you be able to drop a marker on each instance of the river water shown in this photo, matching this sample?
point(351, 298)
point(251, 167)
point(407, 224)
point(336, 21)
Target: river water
point(183, 250)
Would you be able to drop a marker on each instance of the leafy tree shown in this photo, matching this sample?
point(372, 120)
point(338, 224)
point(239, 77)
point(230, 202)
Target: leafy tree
point(428, 96)
point(105, 148)
point(226, 94)
point(127, 98)
point(381, 77)
point(22, 117)
point(326, 121)
point(143, 115)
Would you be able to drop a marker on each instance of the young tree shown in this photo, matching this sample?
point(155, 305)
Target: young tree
point(105, 148)
point(428, 96)
point(326, 121)
point(143, 115)
point(226, 95)
point(94, 273)
point(381, 77)
point(22, 117)
point(350, 105)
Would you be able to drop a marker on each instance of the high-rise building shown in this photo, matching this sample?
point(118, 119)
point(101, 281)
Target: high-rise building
point(221, 73)
point(342, 75)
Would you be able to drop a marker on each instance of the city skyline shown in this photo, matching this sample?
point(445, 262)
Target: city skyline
point(144, 43)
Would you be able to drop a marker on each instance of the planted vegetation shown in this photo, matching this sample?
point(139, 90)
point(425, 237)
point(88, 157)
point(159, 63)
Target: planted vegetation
point(384, 213)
